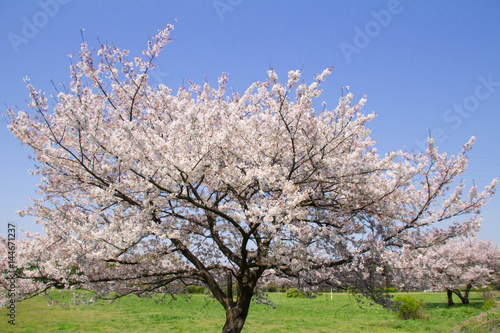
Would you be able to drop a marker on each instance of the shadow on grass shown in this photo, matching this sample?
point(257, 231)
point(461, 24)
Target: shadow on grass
point(433, 305)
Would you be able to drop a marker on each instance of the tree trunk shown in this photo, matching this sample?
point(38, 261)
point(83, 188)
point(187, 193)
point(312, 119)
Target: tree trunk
point(235, 319)
point(465, 297)
point(237, 312)
point(450, 297)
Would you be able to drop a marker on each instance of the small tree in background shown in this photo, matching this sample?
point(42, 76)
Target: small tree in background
point(144, 191)
point(459, 264)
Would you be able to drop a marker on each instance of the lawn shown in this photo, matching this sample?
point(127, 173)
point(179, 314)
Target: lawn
point(203, 314)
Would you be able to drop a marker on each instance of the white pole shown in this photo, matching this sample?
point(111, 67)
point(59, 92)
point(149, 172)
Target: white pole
point(331, 293)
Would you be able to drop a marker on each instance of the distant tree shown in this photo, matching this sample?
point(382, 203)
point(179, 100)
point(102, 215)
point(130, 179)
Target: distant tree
point(496, 281)
point(459, 264)
point(144, 191)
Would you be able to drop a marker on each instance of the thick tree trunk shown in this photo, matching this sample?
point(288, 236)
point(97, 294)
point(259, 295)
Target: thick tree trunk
point(459, 294)
point(465, 297)
point(237, 312)
point(465, 300)
point(235, 319)
point(450, 297)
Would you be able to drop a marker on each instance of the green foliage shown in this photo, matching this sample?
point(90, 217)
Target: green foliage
point(488, 321)
point(271, 288)
point(295, 293)
point(489, 304)
point(195, 290)
point(409, 307)
point(387, 290)
point(489, 294)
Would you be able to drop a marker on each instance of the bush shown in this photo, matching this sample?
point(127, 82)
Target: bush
point(489, 294)
point(295, 293)
point(195, 290)
point(272, 288)
point(387, 290)
point(488, 304)
point(409, 307)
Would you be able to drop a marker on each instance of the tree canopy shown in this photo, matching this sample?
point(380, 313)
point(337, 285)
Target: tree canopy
point(145, 191)
point(458, 264)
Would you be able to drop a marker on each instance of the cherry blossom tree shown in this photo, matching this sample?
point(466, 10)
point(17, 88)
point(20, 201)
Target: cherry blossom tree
point(459, 263)
point(144, 191)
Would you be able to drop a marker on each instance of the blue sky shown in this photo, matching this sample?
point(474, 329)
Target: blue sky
point(424, 65)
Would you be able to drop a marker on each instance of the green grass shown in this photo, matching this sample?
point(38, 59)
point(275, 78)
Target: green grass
point(203, 314)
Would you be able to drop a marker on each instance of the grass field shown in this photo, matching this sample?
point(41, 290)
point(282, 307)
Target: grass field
point(203, 314)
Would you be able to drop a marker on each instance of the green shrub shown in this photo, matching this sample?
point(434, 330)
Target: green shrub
point(272, 288)
point(489, 294)
point(409, 307)
point(195, 290)
point(387, 290)
point(488, 304)
point(295, 293)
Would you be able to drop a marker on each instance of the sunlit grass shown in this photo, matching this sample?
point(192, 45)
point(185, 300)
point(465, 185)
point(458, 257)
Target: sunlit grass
point(202, 314)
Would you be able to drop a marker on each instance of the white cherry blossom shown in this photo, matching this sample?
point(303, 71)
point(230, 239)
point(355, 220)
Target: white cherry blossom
point(145, 190)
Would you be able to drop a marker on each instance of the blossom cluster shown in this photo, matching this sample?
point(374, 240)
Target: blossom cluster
point(143, 187)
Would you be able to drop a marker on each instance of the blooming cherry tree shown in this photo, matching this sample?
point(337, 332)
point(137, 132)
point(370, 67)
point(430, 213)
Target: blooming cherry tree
point(145, 190)
point(459, 263)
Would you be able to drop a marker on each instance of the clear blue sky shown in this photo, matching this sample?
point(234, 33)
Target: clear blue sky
point(424, 65)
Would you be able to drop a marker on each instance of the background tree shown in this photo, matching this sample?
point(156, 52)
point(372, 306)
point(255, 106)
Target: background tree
point(144, 191)
point(459, 264)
